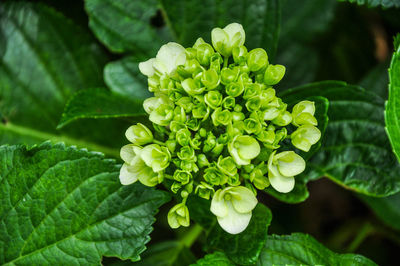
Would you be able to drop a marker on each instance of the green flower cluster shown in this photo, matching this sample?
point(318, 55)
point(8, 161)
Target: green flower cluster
point(218, 126)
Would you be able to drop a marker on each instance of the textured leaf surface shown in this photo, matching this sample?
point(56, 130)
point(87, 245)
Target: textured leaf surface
point(123, 77)
point(40, 69)
point(124, 25)
point(215, 259)
point(387, 209)
point(192, 19)
point(375, 3)
point(392, 112)
point(99, 103)
point(243, 248)
point(300, 192)
point(302, 249)
point(63, 204)
point(355, 152)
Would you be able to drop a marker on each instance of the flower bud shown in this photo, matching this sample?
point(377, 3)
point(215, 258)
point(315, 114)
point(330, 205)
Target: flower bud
point(217, 149)
point(213, 176)
point(185, 103)
point(274, 74)
point(182, 176)
point(234, 89)
point(266, 136)
point(209, 143)
point(204, 53)
point(168, 58)
point(228, 102)
point(176, 186)
point(178, 216)
point(191, 88)
point(162, 115)
point(252, 90)
point(193, 124)
point(283, 119)
point(187, 153)
point(195, 143)
point(202, 160)
point(236, 116)
point(225, 39)
point(267, 96)
point(201, 111)
point(257, 59)
point(303, 114)
point(216, 61)
point(204, 190)
point(213, 99)
point(243, 149)
point(221, 117)
point(139, 134)
point(155, 156)
point(258, 179)
point(305, 136)
point(179, 114)
point(183, 136)
point(171, 145)
point(191, 52)
point(239, 54)
point(253, 104)
point(252, 126)
point(210, 79)
point(229, 75)
point(234, 180)
point(227, 166)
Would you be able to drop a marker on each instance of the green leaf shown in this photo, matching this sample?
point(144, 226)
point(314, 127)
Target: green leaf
point(243, 248)
point(377, 80)
point(42, 66)
point(392, 111)
point(168, 253)
point(99, 103)
point(190, 20)
point(63, 204)
point(124, 25)
point(199, 210)
point(215, 259)
point(123, 77)
point(300, 192)
point(302, 249)
point(387, 209)
point(355, 152)
point(375, 3)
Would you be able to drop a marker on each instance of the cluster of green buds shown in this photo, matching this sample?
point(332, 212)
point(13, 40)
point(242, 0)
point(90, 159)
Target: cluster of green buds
point(217, 128)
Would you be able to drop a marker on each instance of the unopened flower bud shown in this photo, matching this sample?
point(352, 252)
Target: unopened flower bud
point(204, 190)
point(139, 134)
point(210, 79)
point(305, 136)
point(274, 74)
point(257, 59)
point(182, 176)
point(213, 99)
point(179, 216)
point(213, 176)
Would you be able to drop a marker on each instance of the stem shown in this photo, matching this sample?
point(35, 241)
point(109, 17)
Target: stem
point(158, 142)
point(226, 61)
point(364, 232)
point(191, 235)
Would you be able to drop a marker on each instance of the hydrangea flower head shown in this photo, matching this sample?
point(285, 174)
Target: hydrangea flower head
point(217, 128)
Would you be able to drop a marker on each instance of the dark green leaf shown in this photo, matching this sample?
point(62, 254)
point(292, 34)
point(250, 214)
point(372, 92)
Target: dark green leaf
point(300, 192)
point(392, 112)
point(302, 249)
point(387, 209)
point(215, 259)
point(99, 103)
point(355, 152)
point(375, 3)
point(41, 67)
point(377, 80)
point(125, 25)
point(243, 248)
point(192, 19)
point(60, 204)
point(199, 210)
point(123, 77)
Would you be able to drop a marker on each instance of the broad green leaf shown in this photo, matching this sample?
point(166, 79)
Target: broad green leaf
point(215, 259)
point(46, 59)
point(199, 210)
point(192, 19)
point(60, 204)
point(375, 3)
point(392, 111)
point(124, 25)
point(302, 249)
point(123, 77)
point(300, 192)
point(243, 248)
point(99, 103)
point(387, 209)
point(169, 253)
point(355, 152)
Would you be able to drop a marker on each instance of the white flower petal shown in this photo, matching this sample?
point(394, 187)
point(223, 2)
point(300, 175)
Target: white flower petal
point(243, 199)
point(146, 67)
point(234, 222)
point(128, 153)
point(147, 154)
point(290, 163)
point(249, 148)
point(234, 153)
point(218, 204)
point(281, 183)
point(170, 56)
point(126, 177)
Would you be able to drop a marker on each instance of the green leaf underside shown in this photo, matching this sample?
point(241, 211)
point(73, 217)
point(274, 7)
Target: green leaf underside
point(63, 204)
point(40, 69)
point(355, 152)
point(392, 111)
point(302, 249)
point(375, 3)
point(123, 77)
point(387, 209)
point(215, 259)
point(192, 19)
point(300, 192)
point(99, 103)
point(243, 248)
point(124, 25)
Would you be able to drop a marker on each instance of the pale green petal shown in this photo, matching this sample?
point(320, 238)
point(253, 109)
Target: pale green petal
point(218, 205)
point(169, 57)
point(302, 144)
point(290, 163)
point(147, 154)
point(234, 222)
point(126, 177)
point(148, 177)
point(234, 153)
point(146, 67)
point(243, 199)
point(220, 41)
point(249, 147)
point(304, 107)
point(312, 134)
point(150, 104)
point(280, 183)
point(129, 152)
point(236, 34)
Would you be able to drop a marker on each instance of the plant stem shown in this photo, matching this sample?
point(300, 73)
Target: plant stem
point(191, 235)
point(364, 232)
point(158, 142)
